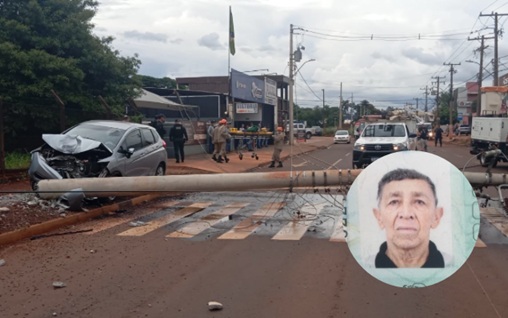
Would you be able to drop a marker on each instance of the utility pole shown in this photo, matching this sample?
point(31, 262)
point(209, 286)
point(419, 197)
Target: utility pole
point(452, 71)
point(496, 37)
point(481, 49)
point(323, 97)
point(437, 119)
point(340, 107)
point(426, 95)
point(291, 83)
point(416, 102)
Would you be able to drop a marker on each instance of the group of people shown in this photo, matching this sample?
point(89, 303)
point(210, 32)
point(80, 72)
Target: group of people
point(177, 135)
point(423, 135)
point(219, 136)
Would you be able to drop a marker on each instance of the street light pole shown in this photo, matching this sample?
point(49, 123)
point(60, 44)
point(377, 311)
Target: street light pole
point(291, 82)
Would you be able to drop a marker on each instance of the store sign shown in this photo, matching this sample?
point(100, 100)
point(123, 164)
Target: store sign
point(270, 91)
point(246, 108)
point(246, 87)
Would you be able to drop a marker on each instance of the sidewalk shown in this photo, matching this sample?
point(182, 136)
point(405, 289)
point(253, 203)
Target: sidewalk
point(203, 163)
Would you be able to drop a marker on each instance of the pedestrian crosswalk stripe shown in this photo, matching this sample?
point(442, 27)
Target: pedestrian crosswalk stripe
point(295, 229)
point(338, 234)
point(208, 221)
point(250, 224)
point(167, 219)
point(100, 225)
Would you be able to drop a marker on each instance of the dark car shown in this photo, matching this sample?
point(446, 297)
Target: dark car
point(99, 148)
point(463, 130)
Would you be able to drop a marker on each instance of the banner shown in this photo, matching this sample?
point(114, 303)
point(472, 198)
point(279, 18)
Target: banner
point(232, 49)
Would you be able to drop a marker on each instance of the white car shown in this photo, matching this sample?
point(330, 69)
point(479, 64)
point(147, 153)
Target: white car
point(342, 136)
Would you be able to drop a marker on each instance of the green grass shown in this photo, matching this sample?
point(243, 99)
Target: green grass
point(17, 160)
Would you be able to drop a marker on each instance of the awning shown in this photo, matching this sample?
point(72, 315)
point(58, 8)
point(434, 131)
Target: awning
point(154, 101)
point(496, 89)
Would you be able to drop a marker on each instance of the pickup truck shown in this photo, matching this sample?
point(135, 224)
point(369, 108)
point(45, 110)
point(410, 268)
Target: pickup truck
point(380, 139)
point(300, 127)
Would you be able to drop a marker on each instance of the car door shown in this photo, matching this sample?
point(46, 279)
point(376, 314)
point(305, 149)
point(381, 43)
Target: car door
point(154, 153)
point(138, 163)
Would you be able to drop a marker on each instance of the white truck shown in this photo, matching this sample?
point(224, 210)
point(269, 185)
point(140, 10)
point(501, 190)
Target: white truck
point(489, 140)
point(300, 128)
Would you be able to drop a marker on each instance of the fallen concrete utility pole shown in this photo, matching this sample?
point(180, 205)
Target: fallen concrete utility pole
point(98, 187)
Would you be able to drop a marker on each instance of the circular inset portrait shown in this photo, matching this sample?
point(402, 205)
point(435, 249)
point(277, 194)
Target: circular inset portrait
point(412, 219)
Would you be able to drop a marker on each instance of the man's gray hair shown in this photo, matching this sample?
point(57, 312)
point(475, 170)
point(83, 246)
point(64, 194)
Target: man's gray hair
point(404, 174)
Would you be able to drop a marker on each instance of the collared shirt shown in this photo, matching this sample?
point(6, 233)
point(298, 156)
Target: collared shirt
point(434, 260)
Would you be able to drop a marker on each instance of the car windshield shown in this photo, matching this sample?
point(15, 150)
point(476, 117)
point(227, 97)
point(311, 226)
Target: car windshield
point(386, 130)
point(106, 135)
point(341, 133)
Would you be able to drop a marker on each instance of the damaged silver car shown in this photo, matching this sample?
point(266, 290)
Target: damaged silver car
point(99, 148)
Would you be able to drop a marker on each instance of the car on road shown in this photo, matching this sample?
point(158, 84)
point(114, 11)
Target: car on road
point(99, 148)
point(342, 136)
point(380, 139)
point(318, 131)
point(463, 130)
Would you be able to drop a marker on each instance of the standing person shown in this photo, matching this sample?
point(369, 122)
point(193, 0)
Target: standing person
point(220, 135)
point(209, 132)
point(422, 138)
point(278, 143)
point(158, 124)
point(178, 135)
point(438, 131)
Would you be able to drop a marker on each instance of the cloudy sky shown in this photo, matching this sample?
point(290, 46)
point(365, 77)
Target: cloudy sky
point(384, 51)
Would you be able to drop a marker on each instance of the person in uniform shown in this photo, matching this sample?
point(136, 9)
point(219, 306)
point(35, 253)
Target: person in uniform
point(278, 143)
point(220, 136)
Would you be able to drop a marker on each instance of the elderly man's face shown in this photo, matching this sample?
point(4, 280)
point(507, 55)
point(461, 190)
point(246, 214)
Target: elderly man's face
point(407, 211)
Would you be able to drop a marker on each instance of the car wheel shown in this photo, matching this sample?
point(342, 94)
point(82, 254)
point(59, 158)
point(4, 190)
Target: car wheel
point(161, 170)
point(308, 135)
point(34, 185)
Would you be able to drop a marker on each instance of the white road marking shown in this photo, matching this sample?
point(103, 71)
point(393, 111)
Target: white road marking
point(334, 165)
point(208, 221)
point(167, 219)
point(295, 229)
point(249, 225)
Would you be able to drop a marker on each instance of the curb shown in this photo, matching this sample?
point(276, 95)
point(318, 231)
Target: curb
point(45, 227)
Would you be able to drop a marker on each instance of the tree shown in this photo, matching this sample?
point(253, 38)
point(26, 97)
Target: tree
point(48, 46)
point(149, 81)
point(444, 109)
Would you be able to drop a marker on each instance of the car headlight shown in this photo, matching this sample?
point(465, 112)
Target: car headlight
point(397, 147)
point(359, 147)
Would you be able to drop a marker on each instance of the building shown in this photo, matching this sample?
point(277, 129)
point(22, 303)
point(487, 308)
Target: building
point(465, 98)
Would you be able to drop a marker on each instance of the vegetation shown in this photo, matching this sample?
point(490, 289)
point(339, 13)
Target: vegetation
point(17, 160)
point(48, 51)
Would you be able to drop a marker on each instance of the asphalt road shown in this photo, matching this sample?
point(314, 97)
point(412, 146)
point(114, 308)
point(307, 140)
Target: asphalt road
point(176, 262)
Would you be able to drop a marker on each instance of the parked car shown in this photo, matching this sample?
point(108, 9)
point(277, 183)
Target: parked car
point(342, 136)
point(99, 148)
point(318, 131)
point(463, 130)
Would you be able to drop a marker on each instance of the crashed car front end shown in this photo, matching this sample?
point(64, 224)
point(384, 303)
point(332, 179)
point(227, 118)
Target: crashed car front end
point(65, 157)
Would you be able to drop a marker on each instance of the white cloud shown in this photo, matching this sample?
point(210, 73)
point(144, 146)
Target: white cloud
point(383, 51)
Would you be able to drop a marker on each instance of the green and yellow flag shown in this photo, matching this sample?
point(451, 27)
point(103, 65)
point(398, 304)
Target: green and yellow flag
point(232, 49)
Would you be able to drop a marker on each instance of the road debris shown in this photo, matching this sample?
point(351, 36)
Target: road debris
point(137, 223)
point(58, 285)
point(57, 234)
point(214, 305)
point(2, 262)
